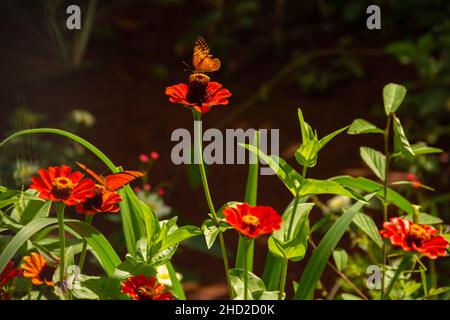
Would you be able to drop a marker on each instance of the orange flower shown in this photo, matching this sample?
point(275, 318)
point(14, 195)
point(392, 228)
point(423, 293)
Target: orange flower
point(61, 184)
point(200, 93)
point(142, 288)
point(411, 236)
point(102, 201)
point(252, 221)
point(36, 268)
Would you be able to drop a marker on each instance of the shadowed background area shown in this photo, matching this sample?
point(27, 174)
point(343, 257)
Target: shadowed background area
point(106, 83)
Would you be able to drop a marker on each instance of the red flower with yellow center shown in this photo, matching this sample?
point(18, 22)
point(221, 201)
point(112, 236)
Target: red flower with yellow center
point(252, 221)
point(102, 201)
point(142, 288)
point(411, 236)
point(61, 184)
point(200, 93)
point(36, 268)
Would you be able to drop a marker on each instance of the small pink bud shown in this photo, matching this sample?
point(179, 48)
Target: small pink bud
point(137, 189)
point(154, 155)
point(415, 182)
point(161, 192)
point(147, 187)
point(144, 158)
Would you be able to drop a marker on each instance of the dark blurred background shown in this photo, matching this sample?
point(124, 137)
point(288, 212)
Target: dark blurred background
point(106, 83)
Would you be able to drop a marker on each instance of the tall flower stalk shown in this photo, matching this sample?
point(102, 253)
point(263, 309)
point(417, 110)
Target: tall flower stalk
point(198, 149)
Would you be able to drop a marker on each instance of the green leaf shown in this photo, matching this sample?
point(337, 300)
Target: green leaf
point(368, 226)
point(292, 246)
point(424, 149)
point(370, 186)
point(318, 260)
point(284, 171)
point(375, 160)
point(182, 233)
point(340, 259)
point(313, 187)
point(104, 288)
point(21, 237)
point(360, 126)
point(393, 95)
point(401, 143)
point(256, 287)
point(35, 209)
point(210, 231)
point(103, 250)
point(330, 136)
point(307, 132)
point(348, 296)
point(425, 218)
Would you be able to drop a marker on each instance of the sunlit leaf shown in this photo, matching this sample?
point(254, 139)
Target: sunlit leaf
point(393, 95)
point(360, 126)
point(401, 143)
point(340, 257)
point(368, 226)
point(375, 160)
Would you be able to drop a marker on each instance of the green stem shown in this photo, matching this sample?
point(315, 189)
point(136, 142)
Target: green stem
point(296, 201)
point(199, 151)
point(60, 206)
point(385, 188)
point(283, 275)
point(88, 220)
point(41, 292)
point(247, 243)
point(177, 287)
point(399, 270)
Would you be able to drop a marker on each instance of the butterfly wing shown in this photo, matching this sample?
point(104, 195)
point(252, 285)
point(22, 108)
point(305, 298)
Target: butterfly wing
point(202, 60)
point(116, 181)
point(100, 179)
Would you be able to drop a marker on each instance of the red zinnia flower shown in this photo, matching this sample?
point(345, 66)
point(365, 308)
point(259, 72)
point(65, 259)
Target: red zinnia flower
point(9, 273)
point(102, 201)
point(36, 268)
point(411, 236)
point(61, 184)
point(142, 288)
point(200, 93)
point(252, 221)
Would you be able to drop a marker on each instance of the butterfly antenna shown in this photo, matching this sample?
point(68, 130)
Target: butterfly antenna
point(189, 67)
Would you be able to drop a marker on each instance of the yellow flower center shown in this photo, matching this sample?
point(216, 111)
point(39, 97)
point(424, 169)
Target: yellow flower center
point(62, 187)
point(418, 231)
point(251, 219)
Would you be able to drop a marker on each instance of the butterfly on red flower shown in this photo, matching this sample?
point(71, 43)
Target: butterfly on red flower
point(411, 236)
point(252, 221)
point(61, 184)
point(142, 288)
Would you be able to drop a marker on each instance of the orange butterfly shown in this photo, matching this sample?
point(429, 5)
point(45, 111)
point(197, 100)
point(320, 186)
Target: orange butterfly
point(202, 60)
point(115, 181)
